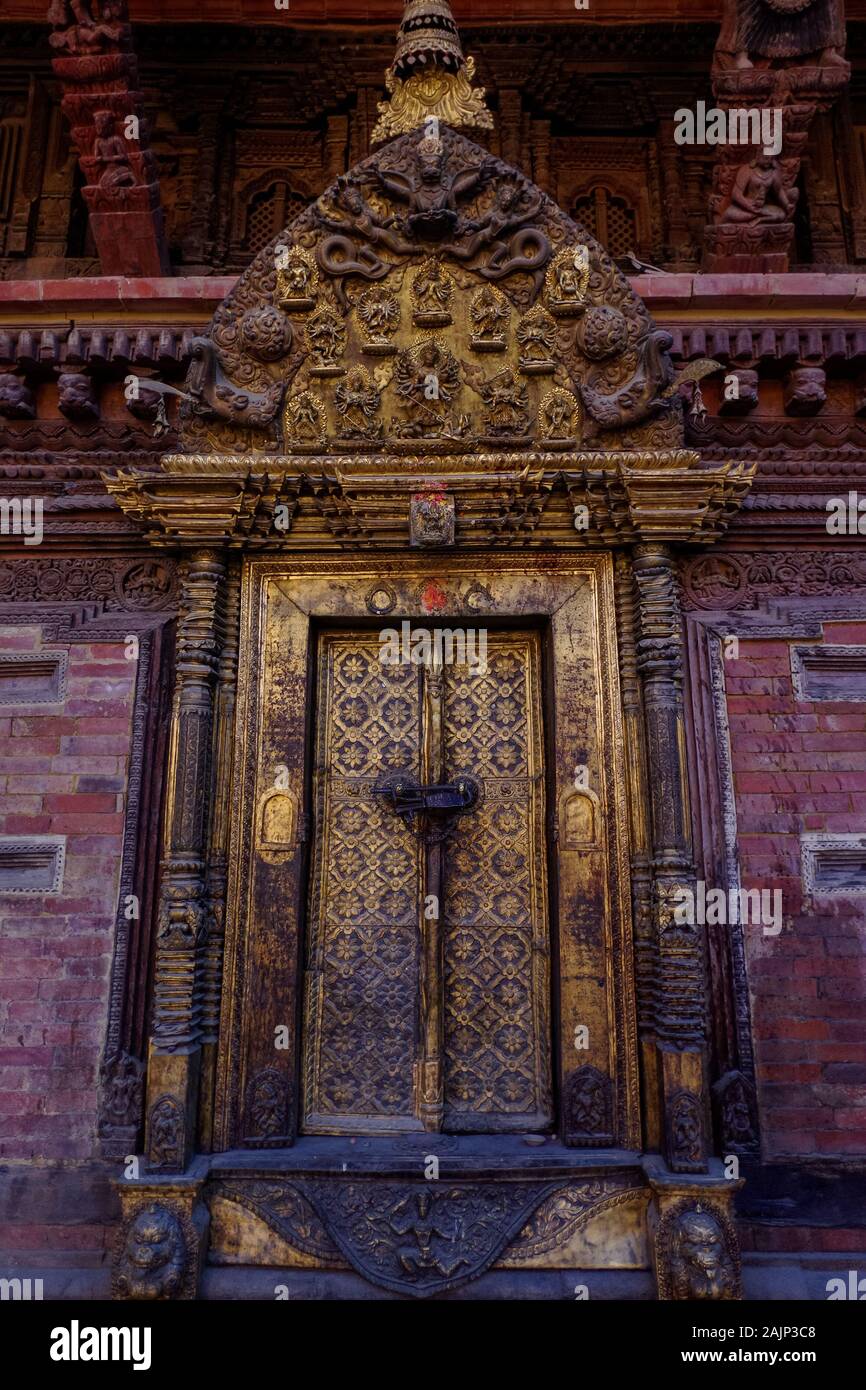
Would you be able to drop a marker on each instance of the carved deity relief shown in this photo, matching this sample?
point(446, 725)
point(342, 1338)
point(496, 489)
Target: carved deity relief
point(758, 32)
point(431, 232)
point(489, 314)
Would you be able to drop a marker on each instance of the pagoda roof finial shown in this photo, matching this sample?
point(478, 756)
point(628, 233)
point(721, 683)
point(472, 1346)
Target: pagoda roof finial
point(429, 77)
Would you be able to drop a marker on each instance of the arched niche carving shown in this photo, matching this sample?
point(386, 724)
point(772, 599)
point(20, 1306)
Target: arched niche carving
point(580, 820)
point(431, 260)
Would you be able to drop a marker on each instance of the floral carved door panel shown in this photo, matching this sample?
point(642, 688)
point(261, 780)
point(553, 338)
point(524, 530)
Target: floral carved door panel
point(427, 970)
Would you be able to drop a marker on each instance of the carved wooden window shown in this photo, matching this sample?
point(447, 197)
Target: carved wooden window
point(829, 673)
point(27, 679)
point(834, 865)
point(31, 864)
point(268, 212)
point(609, 219)
point(11, 141)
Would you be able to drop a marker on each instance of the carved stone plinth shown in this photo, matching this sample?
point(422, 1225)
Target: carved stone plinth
point(161, 1241)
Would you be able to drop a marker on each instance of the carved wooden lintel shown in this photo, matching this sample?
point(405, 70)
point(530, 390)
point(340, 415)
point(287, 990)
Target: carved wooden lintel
point(576, 499)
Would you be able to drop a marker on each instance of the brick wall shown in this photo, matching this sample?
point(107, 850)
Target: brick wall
point(801, 767)
point(63, 773)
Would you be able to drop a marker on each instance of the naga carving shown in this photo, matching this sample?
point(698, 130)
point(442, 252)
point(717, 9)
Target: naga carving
point(431, 233)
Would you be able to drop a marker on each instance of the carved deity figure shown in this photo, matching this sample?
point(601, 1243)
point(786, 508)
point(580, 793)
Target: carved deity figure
point(506, 400)
point(151, 1264)
point(759, 194)
point(701, 1267)
point(430, 190)
point(427, 379)
point(110, 150)
point(356, 215)
point(79, 30)
point(357, 401)
point(765, 32)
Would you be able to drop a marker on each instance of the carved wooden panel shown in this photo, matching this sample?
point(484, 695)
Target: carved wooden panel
point(373, 997)
point(497, 1067)
point(363, 967)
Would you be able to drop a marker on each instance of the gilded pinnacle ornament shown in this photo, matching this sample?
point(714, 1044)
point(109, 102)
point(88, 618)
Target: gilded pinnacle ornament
point(429, 78)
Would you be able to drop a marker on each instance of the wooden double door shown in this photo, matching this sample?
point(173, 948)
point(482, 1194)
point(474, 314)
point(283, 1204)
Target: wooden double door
point(427, 952)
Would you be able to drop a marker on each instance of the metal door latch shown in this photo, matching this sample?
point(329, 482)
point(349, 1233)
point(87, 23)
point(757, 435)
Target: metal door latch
point(408, 798)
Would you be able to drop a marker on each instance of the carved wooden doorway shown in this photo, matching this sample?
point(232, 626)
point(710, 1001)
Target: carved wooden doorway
point(427, 990)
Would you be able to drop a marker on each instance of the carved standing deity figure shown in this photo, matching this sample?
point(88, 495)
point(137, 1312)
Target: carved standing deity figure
point(766, 31)
point(110, 150)
point(151, 1264)
point(758, 194)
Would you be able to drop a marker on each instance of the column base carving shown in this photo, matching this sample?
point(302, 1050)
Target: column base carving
point(162, 1239)
point(693, 1237)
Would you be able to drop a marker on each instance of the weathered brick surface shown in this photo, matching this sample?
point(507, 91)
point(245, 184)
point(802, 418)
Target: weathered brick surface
point(65, 774)
point(801, 767)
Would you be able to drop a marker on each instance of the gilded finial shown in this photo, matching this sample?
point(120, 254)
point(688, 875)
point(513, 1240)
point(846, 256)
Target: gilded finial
point(429, 77)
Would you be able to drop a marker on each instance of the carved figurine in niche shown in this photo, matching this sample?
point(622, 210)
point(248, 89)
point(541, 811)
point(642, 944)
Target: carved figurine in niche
point(110, 151)
point(304, 422)
point(427, 380)
point(379, 311)
point(165, 1133)
point(489, 314)
point(357, 401)
point(432, 292)
point(701, 1266)
point(506, 400)
point(431, 191)
point(122, 1079)
point(765, 32)
point(267, 1106)
point(326, 334)
point(536, 334)
point(297, 279)
point(152, 1261)
point(758, 194)
point(558, 420)
point(566, 283)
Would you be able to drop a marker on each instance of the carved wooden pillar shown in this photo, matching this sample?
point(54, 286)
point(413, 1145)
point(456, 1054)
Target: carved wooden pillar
point(216, 873)
point(680, 1003)
point(336, 141)
point(755, 191)
point(643, 927)
point(509, 124)
point(182, 1010)
point(678, 243)
point(540, 147)
point(96, 64)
